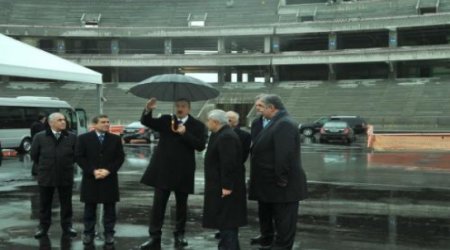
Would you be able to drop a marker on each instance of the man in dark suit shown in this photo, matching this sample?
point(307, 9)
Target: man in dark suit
point(100, 155)
point(35, 128)
point(277, 180)
point(172, 166)
point(265, 217)
point(53, 152)
point(244, 136)
point(38, 125)
point(225, 206)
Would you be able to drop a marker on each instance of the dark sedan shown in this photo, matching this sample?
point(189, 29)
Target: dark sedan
point(137, 131)
point(337, 131)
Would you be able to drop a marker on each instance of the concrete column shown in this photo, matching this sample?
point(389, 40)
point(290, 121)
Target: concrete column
point(251, 77)
point(267, 75)
point(239, 76)
point(275, 44)
point(227, 75)
point(332, 41)
point(115, 75)
point(221, 76)
point(275, 75)
point(115, 48)
point(267, 44)
point(168, 46)
point(392, 70)
point(221, 48)
point(393, 38)
point(60, 46)
point(331, 72)
point(32, 41)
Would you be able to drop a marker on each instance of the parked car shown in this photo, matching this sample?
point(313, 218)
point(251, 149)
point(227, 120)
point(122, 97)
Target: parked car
point(358, 124)
point(337, 130)
point(136, 130)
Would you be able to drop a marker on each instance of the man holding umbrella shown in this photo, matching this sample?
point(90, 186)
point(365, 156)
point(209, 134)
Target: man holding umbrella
point(172, 166)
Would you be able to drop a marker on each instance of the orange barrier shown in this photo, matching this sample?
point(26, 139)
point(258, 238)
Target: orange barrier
point(9, 152)
point(410, 141)
point(115, 129)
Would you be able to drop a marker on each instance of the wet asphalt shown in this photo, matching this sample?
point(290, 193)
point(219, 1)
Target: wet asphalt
point(358, 200)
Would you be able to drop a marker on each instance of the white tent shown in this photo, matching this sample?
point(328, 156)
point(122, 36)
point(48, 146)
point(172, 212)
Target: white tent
point(20, 59)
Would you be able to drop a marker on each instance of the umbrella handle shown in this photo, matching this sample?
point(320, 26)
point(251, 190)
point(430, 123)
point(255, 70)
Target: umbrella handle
point(172, 125)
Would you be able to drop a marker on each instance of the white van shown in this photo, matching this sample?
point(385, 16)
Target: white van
point(17, 115)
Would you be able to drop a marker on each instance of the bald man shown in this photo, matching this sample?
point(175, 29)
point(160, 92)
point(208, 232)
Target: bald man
point(53, 151)
point(244, 136)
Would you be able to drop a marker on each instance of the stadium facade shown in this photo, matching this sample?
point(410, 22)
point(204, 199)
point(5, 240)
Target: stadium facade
point(386, 60)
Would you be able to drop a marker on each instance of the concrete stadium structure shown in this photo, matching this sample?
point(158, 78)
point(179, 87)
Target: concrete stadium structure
point(385, 60)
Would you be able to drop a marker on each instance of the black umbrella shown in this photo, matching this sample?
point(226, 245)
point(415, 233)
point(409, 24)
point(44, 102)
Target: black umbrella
point(172, 87)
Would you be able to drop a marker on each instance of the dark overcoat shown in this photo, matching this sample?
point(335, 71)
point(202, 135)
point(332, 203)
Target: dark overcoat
point(276, 174)
point(90, 155)
point(256, 127)
point(224, 169)
point(54, 159)
point(172, 165)
point(246, 141)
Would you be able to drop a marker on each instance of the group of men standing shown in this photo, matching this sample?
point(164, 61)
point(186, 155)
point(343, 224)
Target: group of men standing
point(99, 153)
point(277, 181)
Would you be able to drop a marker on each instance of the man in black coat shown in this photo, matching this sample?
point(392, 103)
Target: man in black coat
point(172, 166)
point(277, 180)
point(53, 152)
point(244, 136)
point(265, 216)
point(225, 206)
point(35, 128)
point(100, 155)
point(38, 125)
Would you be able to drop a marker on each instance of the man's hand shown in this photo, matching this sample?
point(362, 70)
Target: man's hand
point(151, 104)
point(101, 173)
point(181, 129)
point(225, 192)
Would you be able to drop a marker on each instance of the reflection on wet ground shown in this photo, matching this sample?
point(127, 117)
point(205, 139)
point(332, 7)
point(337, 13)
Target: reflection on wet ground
point(358, 200)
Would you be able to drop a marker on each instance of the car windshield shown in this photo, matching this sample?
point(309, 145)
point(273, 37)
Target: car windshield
point(335, 125)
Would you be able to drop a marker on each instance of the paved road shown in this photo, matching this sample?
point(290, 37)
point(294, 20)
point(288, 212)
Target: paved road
point(359, 200)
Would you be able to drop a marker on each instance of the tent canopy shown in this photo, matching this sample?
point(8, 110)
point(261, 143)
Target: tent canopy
point(20, 59)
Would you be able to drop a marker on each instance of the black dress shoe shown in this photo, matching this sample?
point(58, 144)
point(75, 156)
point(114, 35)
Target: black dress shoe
point(263, 241)
point(109, 239)
point(88, 239)
point(70, 232)
point(217, 236)
point(180, 241)
point(154, 243)
point(40, 233)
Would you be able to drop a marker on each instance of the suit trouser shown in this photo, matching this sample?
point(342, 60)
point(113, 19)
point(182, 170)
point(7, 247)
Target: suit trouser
point(285, 218)
point(45, 210)
point(90, 218)
point(159, 209)
point(229, 239)
point(265, 215)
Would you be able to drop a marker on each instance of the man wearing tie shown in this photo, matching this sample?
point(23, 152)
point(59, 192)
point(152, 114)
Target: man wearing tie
point(277, 180)
point(52, 151)
point(100, 155)
point(172, 167)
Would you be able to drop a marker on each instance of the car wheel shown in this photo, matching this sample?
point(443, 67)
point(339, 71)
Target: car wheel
point(307, 132)
point(25, 145)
